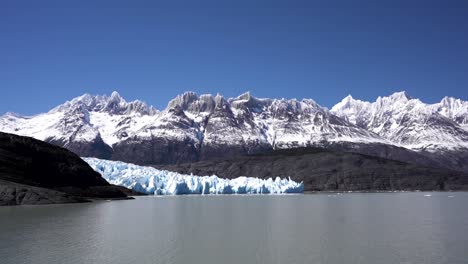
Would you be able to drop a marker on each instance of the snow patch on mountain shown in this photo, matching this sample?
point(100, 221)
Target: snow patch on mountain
point(42, 126)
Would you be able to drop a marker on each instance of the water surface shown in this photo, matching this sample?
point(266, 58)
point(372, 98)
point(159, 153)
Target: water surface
point(318, 228)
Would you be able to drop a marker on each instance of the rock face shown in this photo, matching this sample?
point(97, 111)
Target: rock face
point(325, 170)
point(202, 127)
point(29, 167)
point(19, 194)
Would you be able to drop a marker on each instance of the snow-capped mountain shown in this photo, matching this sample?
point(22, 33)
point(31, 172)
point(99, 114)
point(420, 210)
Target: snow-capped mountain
point(192, 127)
point(249, 124)
point(199, 127)
point(80, 124)
point(454, 109)
point(409, 122)
point(437, 131)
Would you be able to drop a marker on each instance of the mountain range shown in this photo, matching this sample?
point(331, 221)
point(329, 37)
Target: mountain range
point(203, 127)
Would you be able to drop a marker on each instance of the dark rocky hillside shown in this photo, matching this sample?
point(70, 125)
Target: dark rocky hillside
point(32, 171)
point(326, 170)
point(17, 194)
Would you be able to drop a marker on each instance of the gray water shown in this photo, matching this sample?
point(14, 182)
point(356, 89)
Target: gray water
point(318, 228)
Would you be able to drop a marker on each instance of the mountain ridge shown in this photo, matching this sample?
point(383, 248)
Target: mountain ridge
point(199, 127)
point(408, 121)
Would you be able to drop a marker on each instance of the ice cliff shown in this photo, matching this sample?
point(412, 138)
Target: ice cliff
point(161, 182)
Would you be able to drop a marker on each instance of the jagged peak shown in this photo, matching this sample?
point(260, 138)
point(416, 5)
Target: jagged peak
point(294, 104)
point(113, 104)
point(311, 102)
point(245, 96)
point(190, 101)
point(344, 103)
point(188, 96)
point(194, 103)
point(248, 100)
point(395, 99)
point(115, 95)
point(115, 98)
point(219, 100)
point(206, 96)
point(348, 102)
point(85, 96)
point(182, 100)
point(448, 100)
point(402, 95)
point(452, 107)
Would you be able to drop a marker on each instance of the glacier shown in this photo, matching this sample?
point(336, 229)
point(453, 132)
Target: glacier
point(150, 180)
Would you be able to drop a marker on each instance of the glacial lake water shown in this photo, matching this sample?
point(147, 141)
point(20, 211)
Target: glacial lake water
point(369, 228)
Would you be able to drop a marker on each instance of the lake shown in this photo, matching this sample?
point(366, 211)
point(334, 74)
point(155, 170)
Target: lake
point(346, 228)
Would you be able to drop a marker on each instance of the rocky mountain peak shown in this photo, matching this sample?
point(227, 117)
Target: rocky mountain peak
point(346, 102)
point(183, 100)
point(453, 104)
point(220, 102)
point(404, 120)
point(393, 99)
point(191, 102)
point(245, 96)
point(113, 104)
point(78, 111)
point(400, 96)
point(248, 101)
point(453, 108)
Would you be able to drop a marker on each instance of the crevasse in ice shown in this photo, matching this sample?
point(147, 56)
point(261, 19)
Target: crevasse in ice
point(161, 182)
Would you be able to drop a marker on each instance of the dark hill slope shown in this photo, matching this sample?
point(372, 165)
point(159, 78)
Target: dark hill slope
point(325, 170)
point(17, 194)
point(28, 163)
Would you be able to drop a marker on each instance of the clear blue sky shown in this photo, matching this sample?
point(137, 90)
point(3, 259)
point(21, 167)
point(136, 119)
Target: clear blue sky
point(54, 51)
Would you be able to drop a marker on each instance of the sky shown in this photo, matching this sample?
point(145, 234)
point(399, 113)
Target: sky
point(52, 51)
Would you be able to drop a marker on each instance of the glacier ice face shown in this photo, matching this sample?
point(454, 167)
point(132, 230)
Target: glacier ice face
point(161, 182)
